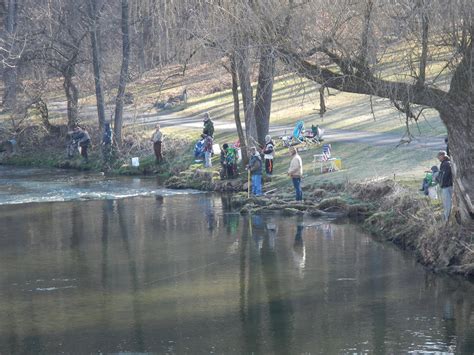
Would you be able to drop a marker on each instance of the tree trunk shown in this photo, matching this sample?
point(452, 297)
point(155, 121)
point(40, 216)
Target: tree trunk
point(364, 44)
point(424, 43)
point(238, 123)
point(123, 74)
point(243, 70)
point(459, 120)
point(141, 50)
point(10, 73)
point(96, 63)
point(322, 102)
point(461, 149)
point(72, 96)
point(263, 98)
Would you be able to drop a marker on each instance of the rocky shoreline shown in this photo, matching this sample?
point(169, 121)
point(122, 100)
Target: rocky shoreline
point(383, 207)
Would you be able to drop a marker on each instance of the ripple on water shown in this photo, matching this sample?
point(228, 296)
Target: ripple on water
point(19, 186)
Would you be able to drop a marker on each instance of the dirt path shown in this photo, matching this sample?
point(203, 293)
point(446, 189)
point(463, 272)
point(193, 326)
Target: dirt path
point(150, 118)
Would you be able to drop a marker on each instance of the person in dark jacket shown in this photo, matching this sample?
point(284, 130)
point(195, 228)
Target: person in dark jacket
point(223, 160)
point(84, 140)
point(208, 129)
point(445, 180)
point(107, 143)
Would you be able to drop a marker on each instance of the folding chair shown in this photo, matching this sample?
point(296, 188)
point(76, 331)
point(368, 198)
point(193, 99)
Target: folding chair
point(325, 159)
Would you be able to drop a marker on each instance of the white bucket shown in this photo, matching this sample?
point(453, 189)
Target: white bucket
point(135, 162)
point(432, 192)
point(216, 149)
point(239, 155)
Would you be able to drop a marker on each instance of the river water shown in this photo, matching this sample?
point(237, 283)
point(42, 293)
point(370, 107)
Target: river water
point(96, 265)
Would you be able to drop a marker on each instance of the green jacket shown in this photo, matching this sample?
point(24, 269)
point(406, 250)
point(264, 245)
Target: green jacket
point(208, 128)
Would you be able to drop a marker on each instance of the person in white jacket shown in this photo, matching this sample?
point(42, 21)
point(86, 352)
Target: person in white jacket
point(268, 153)
point(296, 172)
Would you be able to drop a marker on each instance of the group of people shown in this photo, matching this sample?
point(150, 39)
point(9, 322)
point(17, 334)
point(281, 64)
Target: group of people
point(259, 158)
point(81, 141)
point(264, 157)
point(441, 178)
point(255, 167)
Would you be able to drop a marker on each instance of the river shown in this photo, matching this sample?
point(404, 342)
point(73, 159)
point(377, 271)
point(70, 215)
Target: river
point(91, 264)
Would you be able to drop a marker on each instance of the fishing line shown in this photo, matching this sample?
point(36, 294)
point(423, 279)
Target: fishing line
point(175, 276)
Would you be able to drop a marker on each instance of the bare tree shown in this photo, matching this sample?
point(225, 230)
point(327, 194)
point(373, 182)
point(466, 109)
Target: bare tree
point(317, 57)
point(123, 73)
point(94, 14)
point(236, 101)
point(10, 73)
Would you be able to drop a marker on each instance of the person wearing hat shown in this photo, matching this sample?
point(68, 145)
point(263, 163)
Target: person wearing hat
point(208, 129)
point(83, 138)
point(296, 172)
point(445, 180)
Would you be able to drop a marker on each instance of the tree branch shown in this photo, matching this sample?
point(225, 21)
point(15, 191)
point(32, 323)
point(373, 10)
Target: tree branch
point(367, 84)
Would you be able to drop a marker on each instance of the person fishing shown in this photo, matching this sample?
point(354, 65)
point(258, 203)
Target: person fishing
point(83, 139)
point(208, 128)
point(157, 139)
point(445, 180)
point(207, 148)
point(255, 169)
point(268, 154)
point(107, 143)
point(224, 162)
point(295, 171)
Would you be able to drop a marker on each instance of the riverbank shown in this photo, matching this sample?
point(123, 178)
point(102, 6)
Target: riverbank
point(41, 149)
point(388, 205)
point(391, 210)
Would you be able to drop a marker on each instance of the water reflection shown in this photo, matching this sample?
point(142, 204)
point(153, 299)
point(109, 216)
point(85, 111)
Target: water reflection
point(279, 300)
point(299, 251)
point(184, 274)
point(126, 224)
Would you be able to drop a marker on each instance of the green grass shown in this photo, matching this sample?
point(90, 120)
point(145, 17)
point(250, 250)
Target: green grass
point(296, 98)
point(359, 162)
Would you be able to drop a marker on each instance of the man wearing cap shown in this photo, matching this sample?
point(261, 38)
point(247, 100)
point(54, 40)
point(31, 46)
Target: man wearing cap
point(208, 129)
point(157, 139)
point(445, 179)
